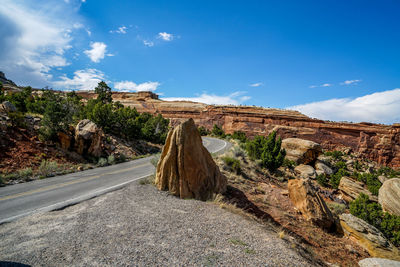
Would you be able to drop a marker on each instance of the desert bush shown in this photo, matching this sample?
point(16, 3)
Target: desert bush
point(232, 164)
point(372, 213)
point(289, 163)
point(337, 155)
point(370, 179)
point(47, 168)
point(357, 165)
point(17, 119)
point(217, 131)
point(203, 131)
point(25, 173)
point(239, 135)
point(102, 162)
point(238, 152)
point(268, 150)
point(335, 178)
point(322, 180)
point(336, 208)
point(155, 159)
point(388, 172)
point(111, 160)
point(341, 165)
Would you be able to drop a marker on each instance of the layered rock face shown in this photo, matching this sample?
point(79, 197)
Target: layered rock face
point(186, 168)
point(389, 196)
point(368, 237)
point(351, 189)
point(310, 203)
point(380, 143)
point(88, 138)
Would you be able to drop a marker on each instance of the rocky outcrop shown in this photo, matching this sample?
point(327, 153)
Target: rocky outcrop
point(378, 262)
point(311, 205)
point(368, 237)
point(351, 189)
point(88, 138)
point(389, 196)
point(186, 168)
point(305, 171)
point(322, 168)
point(380, 143)
point(7, 107)
point(301, 151)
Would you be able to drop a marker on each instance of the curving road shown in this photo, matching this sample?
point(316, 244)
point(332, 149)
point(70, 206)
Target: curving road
point(59, 192)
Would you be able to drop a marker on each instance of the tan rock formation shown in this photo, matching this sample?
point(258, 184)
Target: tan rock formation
point(186, 168)
point(64, 140)
point(301, 151)
point(389, 196)
point(322, 168)
point(310, 203)
point(368, 237)
point(88, 138)
point(351, 189)
point(305, 171)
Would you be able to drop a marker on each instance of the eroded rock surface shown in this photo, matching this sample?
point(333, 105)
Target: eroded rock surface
point(301, 151)
point(351, 189)
point(186, 168)
point(368, 237)
point(305, 171)
point(389, 196)
point(378, 262)
point(88, 138)
point(310, 203)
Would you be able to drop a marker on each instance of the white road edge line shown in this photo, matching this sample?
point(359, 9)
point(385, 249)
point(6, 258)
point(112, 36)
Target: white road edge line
point(72, 201)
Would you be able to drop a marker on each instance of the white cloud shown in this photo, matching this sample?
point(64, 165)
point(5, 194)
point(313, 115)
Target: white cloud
point(34, 40)
point(148, 43)
point(348, 82)
point(235, 98)
point(256, 84)
point(83, 80)
point(127, 86)
point(121, 30)
point(380, 107)
point(97, 52)
point(165, 36)
point(322, 85)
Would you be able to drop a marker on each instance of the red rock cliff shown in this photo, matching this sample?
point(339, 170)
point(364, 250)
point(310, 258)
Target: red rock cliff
point(377, 142)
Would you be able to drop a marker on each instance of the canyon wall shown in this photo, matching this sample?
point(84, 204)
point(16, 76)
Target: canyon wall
point(380, 143)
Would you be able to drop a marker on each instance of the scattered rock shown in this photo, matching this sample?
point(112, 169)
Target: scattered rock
point(378, 262)
point(368, 237)
point(305, 171)
point(88, 138)
point(389, 196)
point(301, 151)
point(350, 162)
point(186, 168)
point(382, 179)
point(322, 168)
point(312, 206)
point(351, 189)
point(64, 140)
point(7, 107)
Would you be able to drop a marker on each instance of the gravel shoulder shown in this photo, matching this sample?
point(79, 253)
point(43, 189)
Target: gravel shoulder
point(140, 226)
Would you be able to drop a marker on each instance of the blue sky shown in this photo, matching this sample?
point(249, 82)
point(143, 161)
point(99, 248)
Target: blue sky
point(335, 60)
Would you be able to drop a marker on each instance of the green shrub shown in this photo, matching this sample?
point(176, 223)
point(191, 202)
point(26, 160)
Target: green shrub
point(203, 131)
point(337, 155)
point(47, 168)
point(238, 152)
point(217, 131)
point(102, 162)
point(322, 180)
point(388, 172)
point(370, 179)
point(25, 173)
point(357, 165)
point(239, 135)
point(336, 208)
point(111, 160)
point(268, 150)
point(155, 159)
point(233, 164)
point(289, 163)
point(341, 165)
point(335, 178)
point(17, 119)
point(372, 213)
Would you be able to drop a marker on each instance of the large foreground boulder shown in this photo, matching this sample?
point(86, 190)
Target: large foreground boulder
point(301, 151)
point(389, 196)
point(7, 107)
point(311, 205)
point(88, 138)
point(186, 168)
point(378, 262)
point(368, 237)
point(351, 189)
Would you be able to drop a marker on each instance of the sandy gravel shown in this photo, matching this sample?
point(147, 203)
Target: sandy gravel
point(139, 226)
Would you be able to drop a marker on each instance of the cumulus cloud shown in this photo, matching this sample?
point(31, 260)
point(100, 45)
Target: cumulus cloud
point(86, 79)
point(380, 107)
point(148, 43)
point(165, 36)
point(235, 98)
point(348, 82)
point(98, 51)
point(256, 84)
point(33, 40)
point(129, 86)
point(121, 30)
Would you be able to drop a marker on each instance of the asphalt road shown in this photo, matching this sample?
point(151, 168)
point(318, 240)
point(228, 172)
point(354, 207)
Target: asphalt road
point(54, 193)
